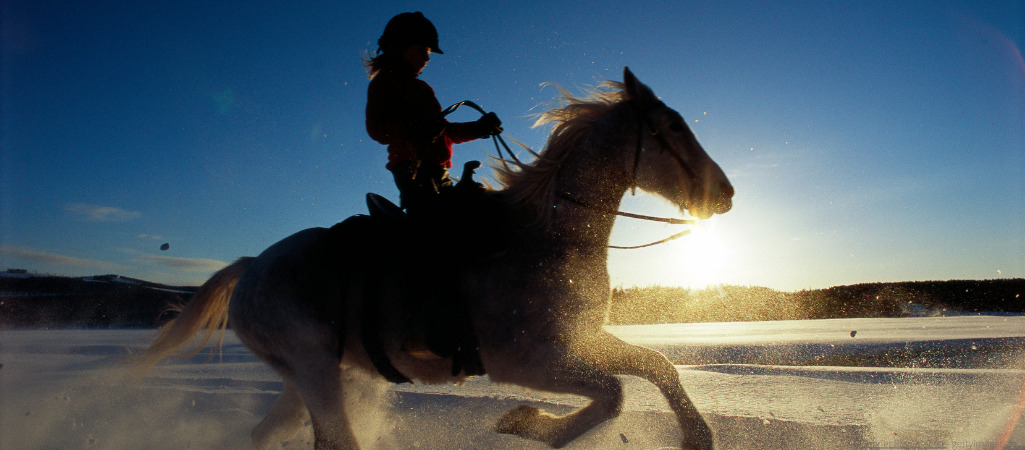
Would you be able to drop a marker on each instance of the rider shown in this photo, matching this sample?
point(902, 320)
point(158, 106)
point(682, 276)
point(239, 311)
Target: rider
point(403, 113)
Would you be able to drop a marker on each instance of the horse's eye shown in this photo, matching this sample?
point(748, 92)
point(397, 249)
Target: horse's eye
point(676, 126)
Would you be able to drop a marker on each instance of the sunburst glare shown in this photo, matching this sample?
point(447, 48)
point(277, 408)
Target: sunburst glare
point(700, 258)
point(696, 260)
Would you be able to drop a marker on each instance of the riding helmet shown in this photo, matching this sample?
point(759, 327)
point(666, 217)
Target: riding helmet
point(410, 28)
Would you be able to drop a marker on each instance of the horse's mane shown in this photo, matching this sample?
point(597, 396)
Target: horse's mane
point(531, 185)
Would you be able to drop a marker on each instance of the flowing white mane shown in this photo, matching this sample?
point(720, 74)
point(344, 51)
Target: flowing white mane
point(532, 184)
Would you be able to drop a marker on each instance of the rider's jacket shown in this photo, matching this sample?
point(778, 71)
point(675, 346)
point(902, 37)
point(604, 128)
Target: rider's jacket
point(403, 113)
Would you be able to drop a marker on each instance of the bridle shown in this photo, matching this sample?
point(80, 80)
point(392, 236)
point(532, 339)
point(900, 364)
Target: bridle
point(642, 125)
point(664, 146)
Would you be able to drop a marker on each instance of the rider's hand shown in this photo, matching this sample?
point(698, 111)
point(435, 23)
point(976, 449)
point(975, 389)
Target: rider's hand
point(488, 125)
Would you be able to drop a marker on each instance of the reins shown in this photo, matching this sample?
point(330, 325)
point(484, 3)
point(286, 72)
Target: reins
point(497, 139)
point(668, 220)
point(650, 244)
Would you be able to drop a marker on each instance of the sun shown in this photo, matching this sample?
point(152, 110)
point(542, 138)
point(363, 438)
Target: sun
point(699, 259)
point(706, 256)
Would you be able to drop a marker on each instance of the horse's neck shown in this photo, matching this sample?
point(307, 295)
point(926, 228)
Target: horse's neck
point(566, 260)
point(580, 230)
point(589, 188)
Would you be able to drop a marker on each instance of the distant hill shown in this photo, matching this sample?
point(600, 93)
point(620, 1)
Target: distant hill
point(112, 301)
point(104, 301)
point(735, 303)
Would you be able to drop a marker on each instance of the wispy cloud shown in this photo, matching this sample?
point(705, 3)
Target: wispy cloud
point(186, 264)
point(53, 259)
point(97, 213)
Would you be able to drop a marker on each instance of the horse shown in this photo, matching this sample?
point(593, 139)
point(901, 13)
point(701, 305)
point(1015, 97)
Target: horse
point(328, 299)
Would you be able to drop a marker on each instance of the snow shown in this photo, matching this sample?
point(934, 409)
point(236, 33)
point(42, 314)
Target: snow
point(944, 382)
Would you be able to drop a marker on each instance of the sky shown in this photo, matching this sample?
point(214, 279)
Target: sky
point(867, 140)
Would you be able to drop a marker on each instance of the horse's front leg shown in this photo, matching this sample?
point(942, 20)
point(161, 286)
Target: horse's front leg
point(622, 358)
point(572, 377)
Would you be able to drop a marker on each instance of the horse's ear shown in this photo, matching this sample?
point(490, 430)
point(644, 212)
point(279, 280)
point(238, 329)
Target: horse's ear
point(635, 90)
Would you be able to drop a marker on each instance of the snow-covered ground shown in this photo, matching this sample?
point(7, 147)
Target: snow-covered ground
point(944, 382)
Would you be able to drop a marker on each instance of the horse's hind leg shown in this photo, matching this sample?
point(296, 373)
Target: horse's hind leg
point(319, 383)
point(603, 388)
point(286, 418)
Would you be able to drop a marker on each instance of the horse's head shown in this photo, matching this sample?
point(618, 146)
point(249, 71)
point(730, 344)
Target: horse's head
point(669, 160)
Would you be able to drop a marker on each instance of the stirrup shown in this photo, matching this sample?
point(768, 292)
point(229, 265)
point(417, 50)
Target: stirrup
point(382, 207)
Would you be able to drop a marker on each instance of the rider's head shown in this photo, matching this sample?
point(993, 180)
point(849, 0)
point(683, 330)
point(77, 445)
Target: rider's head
point(408, 29)
point(408, 37)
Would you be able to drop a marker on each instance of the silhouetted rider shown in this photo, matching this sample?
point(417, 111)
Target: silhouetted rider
point(404, 114)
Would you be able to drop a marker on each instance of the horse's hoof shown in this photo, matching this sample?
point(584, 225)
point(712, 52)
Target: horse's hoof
point(518, 420)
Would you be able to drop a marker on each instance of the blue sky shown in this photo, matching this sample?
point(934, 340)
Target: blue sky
point(867, 141)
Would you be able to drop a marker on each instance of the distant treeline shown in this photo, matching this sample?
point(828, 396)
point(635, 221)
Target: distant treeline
point(107, 301)
point(735, 303)
point(111, 301)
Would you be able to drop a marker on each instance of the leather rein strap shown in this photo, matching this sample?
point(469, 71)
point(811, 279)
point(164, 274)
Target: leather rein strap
point(497, 139)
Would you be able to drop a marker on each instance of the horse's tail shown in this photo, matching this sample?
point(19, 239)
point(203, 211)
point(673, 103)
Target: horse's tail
point(208, 309)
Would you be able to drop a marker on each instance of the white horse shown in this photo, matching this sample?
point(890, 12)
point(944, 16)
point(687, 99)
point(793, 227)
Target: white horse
point(535, 298)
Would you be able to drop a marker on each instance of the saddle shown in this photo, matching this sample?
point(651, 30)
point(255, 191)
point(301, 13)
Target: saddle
point(437, 326)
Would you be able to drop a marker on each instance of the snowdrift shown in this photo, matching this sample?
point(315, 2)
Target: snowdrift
point(950, 382)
